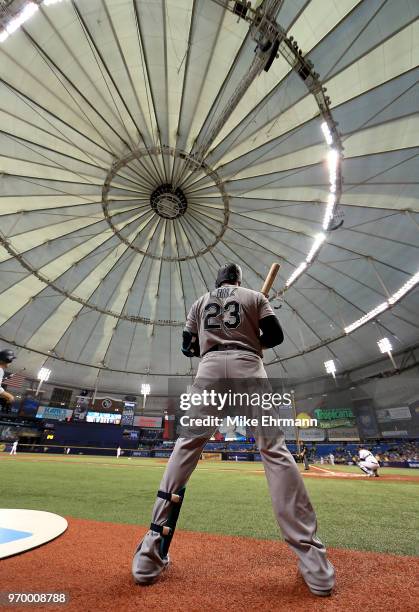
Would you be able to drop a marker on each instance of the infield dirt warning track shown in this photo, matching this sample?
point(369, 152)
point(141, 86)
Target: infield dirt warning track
point(91, 562)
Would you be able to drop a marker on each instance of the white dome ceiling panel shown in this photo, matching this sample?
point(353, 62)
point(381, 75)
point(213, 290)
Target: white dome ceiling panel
point(51, 329)
point(66, 106)
point(394, 135)
point(267, 119)
point(315, 323)
point(382, 64)
point(117, 233)
point(15, 297)
point(397, 226)
point(214, 39)
point(45, 126)
point(28, 317)
point(205, 30)
point(390, 100)
point(290, 142)
point(261, 123)
point(317, 21)
point(307, 156)
point(276, 128)
point(382, 196)
point(368, 26)
point(289, 12)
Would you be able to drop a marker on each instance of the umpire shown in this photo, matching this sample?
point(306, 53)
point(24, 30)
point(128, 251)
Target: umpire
point(304, 456)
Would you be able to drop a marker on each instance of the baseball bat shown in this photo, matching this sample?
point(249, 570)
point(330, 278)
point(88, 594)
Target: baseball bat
point(269, 280)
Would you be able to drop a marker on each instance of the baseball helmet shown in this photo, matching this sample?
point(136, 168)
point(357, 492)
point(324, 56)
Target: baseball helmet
point(229, 272)
point(7, 356)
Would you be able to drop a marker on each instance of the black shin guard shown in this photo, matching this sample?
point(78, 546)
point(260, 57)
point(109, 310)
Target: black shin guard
point(168, 529)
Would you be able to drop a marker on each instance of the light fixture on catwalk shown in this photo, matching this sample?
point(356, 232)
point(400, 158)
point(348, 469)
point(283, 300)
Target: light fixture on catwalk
point(43, 376)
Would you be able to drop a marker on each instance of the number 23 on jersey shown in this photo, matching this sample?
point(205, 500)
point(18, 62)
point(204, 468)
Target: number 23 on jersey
point(231, 319)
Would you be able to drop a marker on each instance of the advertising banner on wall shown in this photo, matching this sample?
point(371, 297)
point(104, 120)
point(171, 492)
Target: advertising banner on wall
point(57, 414)
point(148, 422)
point(328, 418)
point(312, 434)
point(343, 434)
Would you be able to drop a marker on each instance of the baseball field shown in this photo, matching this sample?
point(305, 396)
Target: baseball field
point(227, 552)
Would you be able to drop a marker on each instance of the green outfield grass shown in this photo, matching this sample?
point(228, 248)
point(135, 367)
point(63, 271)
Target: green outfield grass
point(225, 498)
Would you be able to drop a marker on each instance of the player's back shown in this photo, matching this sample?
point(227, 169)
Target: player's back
point(229, 315)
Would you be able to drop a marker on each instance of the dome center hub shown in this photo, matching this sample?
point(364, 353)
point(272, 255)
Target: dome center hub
point(167, 202)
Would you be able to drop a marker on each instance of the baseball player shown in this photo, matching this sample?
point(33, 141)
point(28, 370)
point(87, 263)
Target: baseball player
point(118, 452)
point(304, 456)
point(6, 358)
point(14, 448)
point(229, 328)
point(367, 462)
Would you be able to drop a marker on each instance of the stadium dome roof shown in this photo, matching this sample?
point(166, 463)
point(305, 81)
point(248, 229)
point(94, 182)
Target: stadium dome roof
point(143, 144)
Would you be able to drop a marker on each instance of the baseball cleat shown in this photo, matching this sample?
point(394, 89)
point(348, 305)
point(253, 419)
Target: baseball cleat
point(321, 592)
point(317, 590)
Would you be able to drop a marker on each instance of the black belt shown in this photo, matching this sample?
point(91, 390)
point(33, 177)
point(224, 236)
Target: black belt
point(230, 347)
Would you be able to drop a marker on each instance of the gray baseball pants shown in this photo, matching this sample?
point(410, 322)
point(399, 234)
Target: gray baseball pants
point(292, 507)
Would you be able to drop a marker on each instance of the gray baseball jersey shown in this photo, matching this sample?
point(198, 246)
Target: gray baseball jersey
point(229, 314)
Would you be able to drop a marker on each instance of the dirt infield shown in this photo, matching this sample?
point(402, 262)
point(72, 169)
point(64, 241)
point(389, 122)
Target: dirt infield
point(91, 562)
point(320, 472)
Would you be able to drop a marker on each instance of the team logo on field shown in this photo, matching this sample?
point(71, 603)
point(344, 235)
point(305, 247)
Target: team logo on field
point(21, 530)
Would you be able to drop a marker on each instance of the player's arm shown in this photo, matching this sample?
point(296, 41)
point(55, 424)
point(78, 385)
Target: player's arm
point(190, 341)
point(190, 344)
point(272, 333)
point(6, 395)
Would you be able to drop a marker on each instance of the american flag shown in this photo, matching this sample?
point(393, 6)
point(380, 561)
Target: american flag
point(16, 380)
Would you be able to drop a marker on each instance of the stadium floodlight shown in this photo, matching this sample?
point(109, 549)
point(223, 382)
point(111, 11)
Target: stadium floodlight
point(330, 367)
point(414, 280)
point(43, 375)
point(318, 241)
point(3, 35)
point(145, 390)
point(367, 317)
point(26, 13)
point(328, 215)
point(393, 299)
point(385, 347)
point(332, 160)
point(296, 273)
point(327, 133)
point(49, 2)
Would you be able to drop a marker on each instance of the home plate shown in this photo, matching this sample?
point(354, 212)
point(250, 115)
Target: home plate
point(21, 530)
